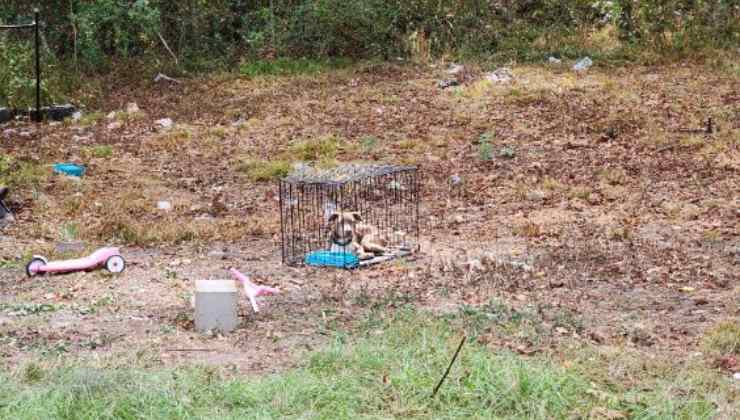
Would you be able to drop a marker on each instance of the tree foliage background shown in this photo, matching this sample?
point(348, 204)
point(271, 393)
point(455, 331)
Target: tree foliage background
point(95, 30)
point(208, 34)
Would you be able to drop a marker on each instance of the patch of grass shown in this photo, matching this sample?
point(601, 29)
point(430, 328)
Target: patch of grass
point(290, 66)
point(621, 233)
point(408, 144)
point(69, 231)
point(90, 119)
point(388, 372)
point(314, 150)
point(25, 309)
point(21, 174)
point(264, 170)
point(368, 144)
point(582, 192)
point(101, 151)
point(724, 338)
point(485, 149)
point(551, 184)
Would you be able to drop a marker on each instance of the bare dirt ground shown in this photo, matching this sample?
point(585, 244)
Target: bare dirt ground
point(595, 206)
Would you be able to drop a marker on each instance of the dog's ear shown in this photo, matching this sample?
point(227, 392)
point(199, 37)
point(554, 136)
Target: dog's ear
point(3, 193)
point(356, 216)
point(333, 217)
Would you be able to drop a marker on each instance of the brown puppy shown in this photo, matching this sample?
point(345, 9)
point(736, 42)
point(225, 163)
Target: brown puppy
point(348, 230)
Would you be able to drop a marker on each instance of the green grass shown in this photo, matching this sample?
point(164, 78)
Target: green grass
point(21, 174)
point(101, 151)
point(264, 170)
point(313, 150)
point(724, 338)
point(388, 371)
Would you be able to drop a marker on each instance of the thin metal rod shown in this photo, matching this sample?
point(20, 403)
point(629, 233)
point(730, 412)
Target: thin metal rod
point(38, 67)
point(447, 372)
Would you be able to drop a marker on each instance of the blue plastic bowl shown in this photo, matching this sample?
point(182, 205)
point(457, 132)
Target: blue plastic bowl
point(332, 259)
point(69, 169)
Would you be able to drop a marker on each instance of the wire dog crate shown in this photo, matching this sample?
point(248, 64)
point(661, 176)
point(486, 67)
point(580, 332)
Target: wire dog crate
point(364, 202)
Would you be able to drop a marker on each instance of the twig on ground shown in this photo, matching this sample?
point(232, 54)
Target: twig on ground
point(447, 372)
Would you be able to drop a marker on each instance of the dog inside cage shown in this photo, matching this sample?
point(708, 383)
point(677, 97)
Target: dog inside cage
point(350, 216)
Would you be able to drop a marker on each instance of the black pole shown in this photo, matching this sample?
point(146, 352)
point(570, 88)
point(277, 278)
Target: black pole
point(38, 67)
point(447, 372)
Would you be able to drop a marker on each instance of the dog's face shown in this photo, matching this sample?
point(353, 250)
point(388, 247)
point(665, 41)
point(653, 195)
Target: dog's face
point(5, 215)
point(343, 225)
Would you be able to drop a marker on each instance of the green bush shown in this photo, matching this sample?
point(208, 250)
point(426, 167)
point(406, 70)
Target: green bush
point(201, 33)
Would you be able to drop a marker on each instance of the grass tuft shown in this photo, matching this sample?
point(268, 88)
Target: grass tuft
point(264, 170)
point(724, 338)
point(388, 372)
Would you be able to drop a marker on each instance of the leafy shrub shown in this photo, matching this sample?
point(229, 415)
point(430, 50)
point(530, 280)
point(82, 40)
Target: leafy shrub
point(226, 31)
point(17, 78)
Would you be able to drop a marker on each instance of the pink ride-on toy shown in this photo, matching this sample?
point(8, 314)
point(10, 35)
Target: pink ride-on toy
point(110, 258)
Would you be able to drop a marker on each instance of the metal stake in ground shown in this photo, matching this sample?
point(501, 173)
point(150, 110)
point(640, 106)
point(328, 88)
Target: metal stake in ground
point(38, 67)
point(447, 372)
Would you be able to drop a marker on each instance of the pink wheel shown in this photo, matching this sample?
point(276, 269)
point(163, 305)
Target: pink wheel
point(33, 267)
point(115, 264)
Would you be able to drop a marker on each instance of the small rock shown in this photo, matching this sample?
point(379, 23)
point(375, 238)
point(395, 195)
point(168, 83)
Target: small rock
point(132, 108)
point(459, 219)
point(220, 254)
point(444, 84)
point(165, 123)
point(77, 116)
point(115, 125)
point(164, 205)
point(111, 115)
point(502, 75)
point(455, 180)
point(583, 64)
point(736, 376)
point(78, 139)
point(553, 60)
point(535, 195)
point(455, 69)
